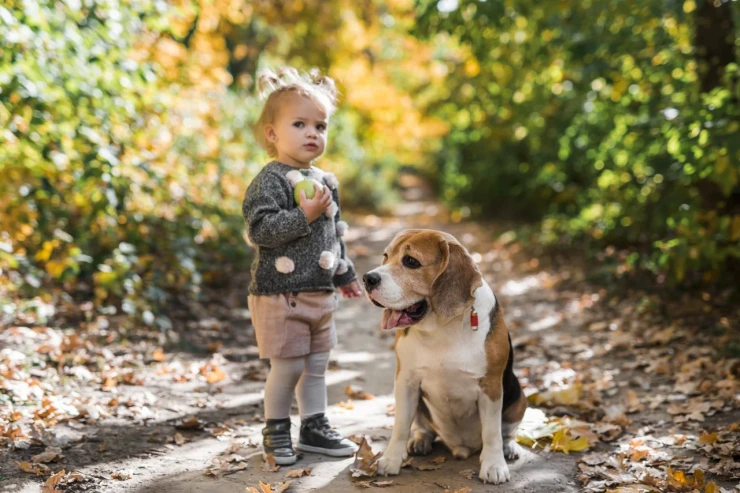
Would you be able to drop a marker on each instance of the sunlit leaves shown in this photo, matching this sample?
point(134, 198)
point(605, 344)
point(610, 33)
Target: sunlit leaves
point(614, 105)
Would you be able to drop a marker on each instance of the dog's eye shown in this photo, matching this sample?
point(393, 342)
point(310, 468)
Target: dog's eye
point(410, 262)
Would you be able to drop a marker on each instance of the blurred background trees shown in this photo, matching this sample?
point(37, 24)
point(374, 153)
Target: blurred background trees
point(125, 140)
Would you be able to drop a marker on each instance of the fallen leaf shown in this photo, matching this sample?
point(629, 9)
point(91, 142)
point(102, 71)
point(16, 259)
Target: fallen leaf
point(381, 484)
point(158, 354)
point(297, 473)
point(191, 423)
point(356, 438)
point(269, 464)
point(407, 462)
point(461, 490)
point(179, 439)
point(638, 455)
point(633, 402)
point(37, 469)
point(52, 482)
point(110, 383)
point(212, 372)
point(566, 396)
point(366, 461)
point(468, 473)
point(428, 467)
point(51, 454)
point(708, 438)
point(121, 476)
point(438, 460)
point(563, 441)
point(277, 488)
point(357, 393)
point(594, 459)
point(347, 405)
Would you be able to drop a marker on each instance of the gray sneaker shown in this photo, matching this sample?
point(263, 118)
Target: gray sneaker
point(276, 442)
point(318, 436)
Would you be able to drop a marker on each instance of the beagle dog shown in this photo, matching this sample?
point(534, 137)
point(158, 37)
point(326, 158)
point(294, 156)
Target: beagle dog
point(454, 375)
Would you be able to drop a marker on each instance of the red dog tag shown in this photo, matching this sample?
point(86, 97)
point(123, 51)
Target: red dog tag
point(474, 320)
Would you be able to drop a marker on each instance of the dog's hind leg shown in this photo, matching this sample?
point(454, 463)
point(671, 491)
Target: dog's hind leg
point(422, 432)
point(510, 420)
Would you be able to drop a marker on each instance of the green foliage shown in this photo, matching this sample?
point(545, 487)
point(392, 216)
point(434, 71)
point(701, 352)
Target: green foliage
point(125, 152)
point(588, 116)
point(84, 202)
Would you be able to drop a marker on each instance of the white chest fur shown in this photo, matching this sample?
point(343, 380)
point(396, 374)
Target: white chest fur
point(447, 362)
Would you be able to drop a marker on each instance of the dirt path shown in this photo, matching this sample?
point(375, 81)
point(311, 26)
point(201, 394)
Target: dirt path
point(364, 359)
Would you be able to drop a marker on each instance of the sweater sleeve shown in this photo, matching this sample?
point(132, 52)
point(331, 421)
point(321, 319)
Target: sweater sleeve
point(269, 219)
point(350, 275)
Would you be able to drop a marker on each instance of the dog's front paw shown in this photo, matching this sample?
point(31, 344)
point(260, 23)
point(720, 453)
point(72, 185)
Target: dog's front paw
point(493, 468)
point(390, 463)
point(512, 450)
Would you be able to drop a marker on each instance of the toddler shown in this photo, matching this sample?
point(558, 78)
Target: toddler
point(300, 260)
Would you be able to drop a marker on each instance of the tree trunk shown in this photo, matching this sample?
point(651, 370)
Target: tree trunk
point(714, 41)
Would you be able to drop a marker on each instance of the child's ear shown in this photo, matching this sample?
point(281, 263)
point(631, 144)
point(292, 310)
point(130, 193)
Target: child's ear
point(270, 134)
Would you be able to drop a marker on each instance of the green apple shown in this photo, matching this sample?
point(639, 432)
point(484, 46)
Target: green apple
point(307, 186)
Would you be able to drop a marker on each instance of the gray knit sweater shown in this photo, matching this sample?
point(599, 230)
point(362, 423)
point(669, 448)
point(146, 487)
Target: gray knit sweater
point(293, 255)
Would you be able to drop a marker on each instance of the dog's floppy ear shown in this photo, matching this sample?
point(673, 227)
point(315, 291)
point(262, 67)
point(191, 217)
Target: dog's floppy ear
point(452, 291)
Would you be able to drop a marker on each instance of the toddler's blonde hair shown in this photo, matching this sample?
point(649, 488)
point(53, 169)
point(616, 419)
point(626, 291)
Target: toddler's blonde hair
point(275, 86)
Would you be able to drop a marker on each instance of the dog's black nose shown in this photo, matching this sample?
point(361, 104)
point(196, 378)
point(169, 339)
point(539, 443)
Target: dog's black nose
point(371, 280)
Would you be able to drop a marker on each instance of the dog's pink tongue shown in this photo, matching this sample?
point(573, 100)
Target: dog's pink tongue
point(391, 318)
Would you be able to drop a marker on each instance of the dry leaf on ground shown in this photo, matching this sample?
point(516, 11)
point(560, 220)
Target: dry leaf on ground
point(297, 473)
point(267, 488)
point(37, 469)
point(356, 393)
point(366, 461)
point(51, 454)
point(269, 464)
point(381, 484)
point(52, 482)
point(189, 423)
point(158, 355)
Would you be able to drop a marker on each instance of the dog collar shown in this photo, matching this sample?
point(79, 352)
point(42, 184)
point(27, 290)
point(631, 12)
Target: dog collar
point(473, 319)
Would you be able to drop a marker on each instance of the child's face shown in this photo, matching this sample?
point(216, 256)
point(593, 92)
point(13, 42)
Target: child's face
point(299, 131)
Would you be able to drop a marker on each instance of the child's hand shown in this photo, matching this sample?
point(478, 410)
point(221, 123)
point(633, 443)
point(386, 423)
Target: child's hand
point(351, 290)
point(313, 208)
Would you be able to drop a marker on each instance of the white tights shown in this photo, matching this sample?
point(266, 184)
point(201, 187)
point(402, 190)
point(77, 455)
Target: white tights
point(308, 373)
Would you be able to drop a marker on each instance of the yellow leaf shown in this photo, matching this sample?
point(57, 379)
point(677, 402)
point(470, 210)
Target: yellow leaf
point(562, 441)
point(566, 396)
point(676, 478)
point(711, 488)
point(708, 438)
point(56, 268)
point(698, 479)
point(47, 249)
